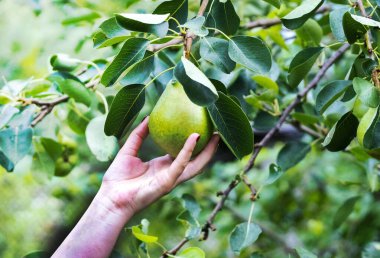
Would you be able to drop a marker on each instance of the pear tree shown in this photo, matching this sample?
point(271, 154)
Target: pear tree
point(238, 68)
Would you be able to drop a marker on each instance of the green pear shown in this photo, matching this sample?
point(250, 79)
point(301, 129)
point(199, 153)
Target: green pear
point(175, 118)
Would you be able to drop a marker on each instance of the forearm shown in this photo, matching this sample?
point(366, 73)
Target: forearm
point(97, 231)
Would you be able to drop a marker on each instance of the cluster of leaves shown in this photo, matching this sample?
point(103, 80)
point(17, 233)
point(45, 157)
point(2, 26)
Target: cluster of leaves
point(244, 78)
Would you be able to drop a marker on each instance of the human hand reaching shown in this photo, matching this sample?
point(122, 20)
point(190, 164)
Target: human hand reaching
point(128, 186)
point(131, 184)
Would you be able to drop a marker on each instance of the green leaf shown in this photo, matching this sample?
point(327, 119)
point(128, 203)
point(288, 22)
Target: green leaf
point(219, 86)
point(189, 217)
point(224, 16)
point(342, 133)
point(196, 27)
point(344, 211)
point(6, 163)
point(330, 93)
point(250, 52)
point(365, 21)
point(110, 34)
point(151, 23)
point(42, 161)
point(297, 17)
point(24, 118)
point(336, 23)
point(132, 51)
point(275, 172)
point(362, 67)
point(78, 117)
point(291, 154)
point(77, 91)
point(5, 98)
point(15, 143)
point(34, 88)
point(367, 92)
point(352, 29)
point(310, 32)
point(62, 62)
point(112, 29)
point(232, 124)
point(303, 253)
point(87, 17)
point(140, 71)
point(102, 146)
point(140, 235)
point(178, 9)
point(6, 114)
point(275, 3)
point(190, 204)
point(100, 40)
point(214, 51)
point(302, 64)
point(191, 252)
point(125, 107)
point(191, 223)
point(267, 83)
point(369, 119)
point(371, 138)
point(305, 118)
point(244, 235)
point(53, 148)
point(197, 86)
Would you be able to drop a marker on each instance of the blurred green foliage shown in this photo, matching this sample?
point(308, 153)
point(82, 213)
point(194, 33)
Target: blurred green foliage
point(303, 209)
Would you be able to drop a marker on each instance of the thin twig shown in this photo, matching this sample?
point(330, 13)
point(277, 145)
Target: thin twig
point(368, 36)
point(224, 194)
point(189, 37)
point(266, 23)
point(48, 106)
point(306, 129)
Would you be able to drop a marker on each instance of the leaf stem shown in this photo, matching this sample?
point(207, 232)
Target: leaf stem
point(167, 37)
point(221, 32)
point(176, 21)
point(92, 64)
point(335, 44)
point(250, 218)
point(158, 75)
point(104, 100)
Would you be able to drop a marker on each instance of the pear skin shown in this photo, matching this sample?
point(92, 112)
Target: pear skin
point(175, 118)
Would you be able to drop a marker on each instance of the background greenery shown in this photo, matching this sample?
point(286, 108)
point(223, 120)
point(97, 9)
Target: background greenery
point(297, 211)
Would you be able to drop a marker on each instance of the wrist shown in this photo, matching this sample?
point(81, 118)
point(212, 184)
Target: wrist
point(108, 200)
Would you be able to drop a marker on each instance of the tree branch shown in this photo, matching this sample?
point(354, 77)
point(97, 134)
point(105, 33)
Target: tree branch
point(48, 106)
point(266, 23)
point(224, 194)
point(189, 37)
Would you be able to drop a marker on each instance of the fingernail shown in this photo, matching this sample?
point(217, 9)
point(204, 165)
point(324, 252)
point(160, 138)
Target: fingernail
point(198, 137)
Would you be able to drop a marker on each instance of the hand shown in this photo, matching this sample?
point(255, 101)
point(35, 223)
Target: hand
point(131, 184)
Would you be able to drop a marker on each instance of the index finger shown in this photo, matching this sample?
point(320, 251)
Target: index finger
point(136, 138)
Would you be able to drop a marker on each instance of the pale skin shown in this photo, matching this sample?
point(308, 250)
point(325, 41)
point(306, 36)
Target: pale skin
point(128, 186)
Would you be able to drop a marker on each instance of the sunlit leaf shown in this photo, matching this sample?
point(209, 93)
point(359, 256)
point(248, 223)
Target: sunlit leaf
point(102, 146)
